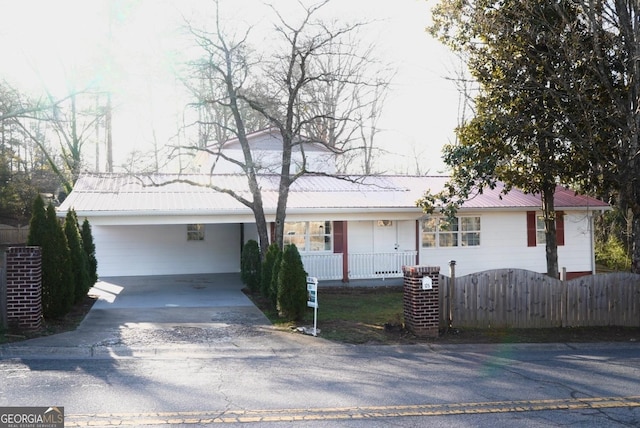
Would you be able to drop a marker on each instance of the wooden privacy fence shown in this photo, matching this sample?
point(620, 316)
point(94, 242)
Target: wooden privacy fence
point(13, 235)
point(517, 298)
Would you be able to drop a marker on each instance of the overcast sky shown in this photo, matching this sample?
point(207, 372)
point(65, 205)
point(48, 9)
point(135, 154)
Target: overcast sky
point(49, 43)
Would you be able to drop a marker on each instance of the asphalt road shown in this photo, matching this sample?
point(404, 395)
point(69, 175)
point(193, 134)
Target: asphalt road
point(330, 385)
point(193, 351)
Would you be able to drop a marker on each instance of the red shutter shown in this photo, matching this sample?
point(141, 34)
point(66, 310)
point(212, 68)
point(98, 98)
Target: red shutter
point(338, 237)
point(531, 228)
point(341, 245)
point(560, 227)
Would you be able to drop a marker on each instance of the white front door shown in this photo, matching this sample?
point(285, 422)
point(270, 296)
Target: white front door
point(385, 245)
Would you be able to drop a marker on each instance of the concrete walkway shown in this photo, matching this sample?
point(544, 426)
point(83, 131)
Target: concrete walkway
point(150, 314)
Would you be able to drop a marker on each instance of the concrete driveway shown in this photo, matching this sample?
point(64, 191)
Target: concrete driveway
point(170, 291)
point(153, 313)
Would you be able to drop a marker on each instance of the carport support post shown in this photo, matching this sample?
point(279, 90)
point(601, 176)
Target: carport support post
point(421, 302)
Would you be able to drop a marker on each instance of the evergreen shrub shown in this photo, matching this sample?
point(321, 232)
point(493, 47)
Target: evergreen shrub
point(266, 276)
point(250, 265)
point(58, 282)
point(90, 251)
point(79, 262)
point(292, 284)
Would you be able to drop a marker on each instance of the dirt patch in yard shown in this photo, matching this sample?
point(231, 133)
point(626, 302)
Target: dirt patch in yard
point(51, 326)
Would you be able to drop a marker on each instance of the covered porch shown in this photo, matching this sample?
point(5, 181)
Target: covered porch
point(354, 266)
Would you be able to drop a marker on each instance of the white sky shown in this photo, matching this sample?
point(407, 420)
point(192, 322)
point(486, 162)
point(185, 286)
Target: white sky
point(50, 43)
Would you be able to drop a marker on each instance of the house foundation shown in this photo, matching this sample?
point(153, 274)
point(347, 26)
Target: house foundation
point(421, 300)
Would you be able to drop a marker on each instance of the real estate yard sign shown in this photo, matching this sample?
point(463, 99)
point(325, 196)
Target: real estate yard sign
point(312, 301)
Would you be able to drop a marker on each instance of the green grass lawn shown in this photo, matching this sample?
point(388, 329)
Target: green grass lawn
point(351, 315)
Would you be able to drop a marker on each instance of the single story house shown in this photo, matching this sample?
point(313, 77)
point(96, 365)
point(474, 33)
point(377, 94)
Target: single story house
point(346, 228)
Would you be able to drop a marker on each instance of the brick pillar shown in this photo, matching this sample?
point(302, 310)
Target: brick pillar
point(24, 287)
point(421, 307)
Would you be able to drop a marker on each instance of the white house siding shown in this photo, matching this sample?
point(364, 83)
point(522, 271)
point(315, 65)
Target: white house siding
point(367, 237)
point(270, 162)
point(164, 250)
point(360, 236)
point(503, 244)
point(577, 254)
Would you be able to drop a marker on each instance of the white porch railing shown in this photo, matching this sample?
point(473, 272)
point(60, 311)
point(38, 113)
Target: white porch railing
point(361, 265)
point(323, 266)
point(380, 265)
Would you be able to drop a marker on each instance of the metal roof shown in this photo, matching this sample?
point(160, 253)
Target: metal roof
point(117, 194)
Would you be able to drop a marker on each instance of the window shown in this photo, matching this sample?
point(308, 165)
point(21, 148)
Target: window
point(459, 232)
point(535, 229)
point(195, 232)
point(541, 238)
point(470, 231)
point(309, 235)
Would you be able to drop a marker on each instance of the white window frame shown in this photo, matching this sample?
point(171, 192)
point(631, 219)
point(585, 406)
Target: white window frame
point(301, 234)
point(541, 235)
point(195, 232)
point(446, 235)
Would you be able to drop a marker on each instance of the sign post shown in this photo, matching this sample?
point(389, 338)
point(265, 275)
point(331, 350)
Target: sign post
point(312, 301)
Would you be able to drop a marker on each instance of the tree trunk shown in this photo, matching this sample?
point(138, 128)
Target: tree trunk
point(263, 232)
point(551, 246)
point(283, 191)
point(635, 244)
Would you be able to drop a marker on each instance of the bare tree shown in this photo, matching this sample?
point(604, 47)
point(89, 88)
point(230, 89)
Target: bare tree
point(343, 108)
point(72, 126)
point(283, 89)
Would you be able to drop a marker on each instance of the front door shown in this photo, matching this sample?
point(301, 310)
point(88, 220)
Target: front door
point(385, 247)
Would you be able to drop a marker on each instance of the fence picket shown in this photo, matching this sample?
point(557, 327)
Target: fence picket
point(522, 299)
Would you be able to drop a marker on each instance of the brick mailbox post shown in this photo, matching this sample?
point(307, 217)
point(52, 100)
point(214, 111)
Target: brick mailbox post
point(24, 287)
point(421, 300)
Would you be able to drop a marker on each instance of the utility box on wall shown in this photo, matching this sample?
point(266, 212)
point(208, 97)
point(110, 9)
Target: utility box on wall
point(421, 301)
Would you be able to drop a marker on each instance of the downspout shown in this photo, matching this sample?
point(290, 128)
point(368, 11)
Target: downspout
point(592, 242)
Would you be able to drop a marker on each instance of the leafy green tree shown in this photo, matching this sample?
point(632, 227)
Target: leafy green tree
point(79, 261)
point(58, 282)
point(267, 271)
point(529, 131)
point(612, 254)
point(250, 265)
point(90, 251)
point(292, 284)
point(16, 192)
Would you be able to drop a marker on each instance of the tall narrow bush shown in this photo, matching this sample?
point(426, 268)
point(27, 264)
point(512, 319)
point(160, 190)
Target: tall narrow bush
point(267, 270)
point(38, 223)
point(90, 251)
point(250, 265)
point(57, 278)
point(79, 262)
point(292, 284)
